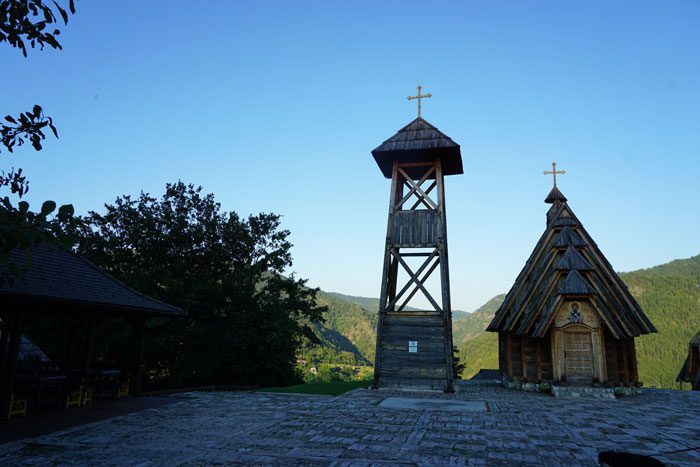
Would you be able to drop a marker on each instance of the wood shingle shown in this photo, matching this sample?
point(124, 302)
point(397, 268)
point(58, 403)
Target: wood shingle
point(419, 141)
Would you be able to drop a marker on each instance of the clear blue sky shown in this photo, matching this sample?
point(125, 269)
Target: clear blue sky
point(275, 106)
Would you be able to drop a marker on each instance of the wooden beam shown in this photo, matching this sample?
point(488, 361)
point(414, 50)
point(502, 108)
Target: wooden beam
point(427, 192)
point(509, 353)
point(16, 319)
point(523, 356)
point(415, 187)
point(625, 365)
point(415, 289)
point(70, 325)
point(416, 280)
point(384, 294)
point(538, 359)
point(393, 274)
point(615, 362)
point(403, 290)
point(444, 274)
point(140, 329)
point(4, 337)
point(421, 199)
point(415, 164)
point(633, 361)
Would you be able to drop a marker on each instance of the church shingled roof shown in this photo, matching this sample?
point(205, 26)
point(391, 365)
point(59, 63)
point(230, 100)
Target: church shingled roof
point(416, 142)
point(575, 284)
point(568, 237)
point(566, 262)
point(555, 195)
point(572, 260)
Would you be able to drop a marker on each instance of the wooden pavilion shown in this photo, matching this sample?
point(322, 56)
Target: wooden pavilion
point(568, 318)
point(53, 281)
point(690, 373)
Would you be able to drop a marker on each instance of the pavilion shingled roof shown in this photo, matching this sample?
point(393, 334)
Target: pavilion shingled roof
point(566, 263)
point(418, 141)
point(49, 274)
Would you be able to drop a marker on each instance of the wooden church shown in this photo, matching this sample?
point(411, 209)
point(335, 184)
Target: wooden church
point(568, 318)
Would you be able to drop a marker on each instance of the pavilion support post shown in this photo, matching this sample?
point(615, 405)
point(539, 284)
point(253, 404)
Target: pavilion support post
point(4, 337)
point(14, 326)
point(91, 327)
point(90, 343)
point(70, 340)
point(140, 328)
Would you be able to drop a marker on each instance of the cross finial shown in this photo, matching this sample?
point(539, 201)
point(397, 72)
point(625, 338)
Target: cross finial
point(554, 172)
point(419, 96)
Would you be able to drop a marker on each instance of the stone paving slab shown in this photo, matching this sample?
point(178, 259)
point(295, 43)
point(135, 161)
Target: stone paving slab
point(357, 429)
point(414, 403)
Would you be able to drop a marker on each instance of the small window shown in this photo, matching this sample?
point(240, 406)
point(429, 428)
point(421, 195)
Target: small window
point(413, 346)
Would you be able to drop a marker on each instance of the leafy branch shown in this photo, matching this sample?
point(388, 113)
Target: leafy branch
point(29, 126)
point(31, 21)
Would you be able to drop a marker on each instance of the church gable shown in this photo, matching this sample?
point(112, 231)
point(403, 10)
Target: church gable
point(566, 263)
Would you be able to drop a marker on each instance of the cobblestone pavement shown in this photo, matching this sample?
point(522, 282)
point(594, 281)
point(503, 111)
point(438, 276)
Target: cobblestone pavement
point(352, 429)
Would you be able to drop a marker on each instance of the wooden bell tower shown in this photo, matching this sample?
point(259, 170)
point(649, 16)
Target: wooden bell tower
point(414, 347)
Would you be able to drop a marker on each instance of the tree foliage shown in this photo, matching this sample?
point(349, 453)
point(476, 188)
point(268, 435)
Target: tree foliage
point(32, 22)
point(22, 23)
point(28, 126)
point(21, 228)
point(28, 23)
point(245, 319)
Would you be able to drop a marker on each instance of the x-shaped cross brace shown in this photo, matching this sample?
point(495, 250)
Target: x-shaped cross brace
point(415, 189)
point(415, 280)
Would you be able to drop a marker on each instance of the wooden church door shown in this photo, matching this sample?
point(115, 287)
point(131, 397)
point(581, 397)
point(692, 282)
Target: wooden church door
point(578, 355)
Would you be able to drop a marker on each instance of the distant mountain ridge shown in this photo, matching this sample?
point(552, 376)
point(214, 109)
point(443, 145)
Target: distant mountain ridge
point(474, 324)
point(348, 335)
point(372, 304)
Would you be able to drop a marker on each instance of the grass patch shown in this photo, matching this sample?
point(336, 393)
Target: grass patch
point(334, 388)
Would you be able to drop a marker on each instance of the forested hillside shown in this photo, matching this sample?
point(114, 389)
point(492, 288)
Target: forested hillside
point(474, 324)
point(670, 295)
point(347, 341)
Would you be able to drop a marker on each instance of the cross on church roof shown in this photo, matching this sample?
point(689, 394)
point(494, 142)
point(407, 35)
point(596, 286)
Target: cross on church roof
point(419, 96)
point(554, 172)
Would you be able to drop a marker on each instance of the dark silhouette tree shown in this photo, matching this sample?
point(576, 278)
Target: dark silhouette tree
point(245, 320)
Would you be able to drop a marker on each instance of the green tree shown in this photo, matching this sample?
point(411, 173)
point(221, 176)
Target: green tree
point(245, 319)
point(457, 365)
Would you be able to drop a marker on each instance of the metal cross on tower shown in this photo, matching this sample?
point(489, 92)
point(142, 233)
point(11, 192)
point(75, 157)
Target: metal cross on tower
point(554, 172)
point(419, 96)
